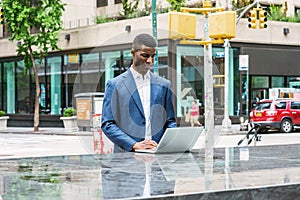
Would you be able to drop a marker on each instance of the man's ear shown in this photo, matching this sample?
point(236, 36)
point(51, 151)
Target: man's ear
point(132, 52)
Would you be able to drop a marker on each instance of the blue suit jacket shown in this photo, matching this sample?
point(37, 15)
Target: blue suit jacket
point(123, 119)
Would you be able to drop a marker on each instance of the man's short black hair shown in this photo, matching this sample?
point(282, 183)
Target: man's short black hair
point(143, 39)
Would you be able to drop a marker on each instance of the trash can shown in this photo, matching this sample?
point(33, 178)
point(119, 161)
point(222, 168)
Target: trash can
point(89, 111)
point(88, 104)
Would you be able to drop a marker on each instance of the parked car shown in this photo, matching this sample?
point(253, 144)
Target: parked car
point(279, 114)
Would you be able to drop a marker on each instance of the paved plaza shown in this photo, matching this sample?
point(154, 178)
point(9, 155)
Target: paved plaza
point(23, 142)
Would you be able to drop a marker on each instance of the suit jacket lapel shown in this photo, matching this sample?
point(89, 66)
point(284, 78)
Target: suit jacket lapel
point(129, 83)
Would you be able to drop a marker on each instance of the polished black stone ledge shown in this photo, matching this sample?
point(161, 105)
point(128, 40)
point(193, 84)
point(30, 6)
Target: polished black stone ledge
point(264, 172)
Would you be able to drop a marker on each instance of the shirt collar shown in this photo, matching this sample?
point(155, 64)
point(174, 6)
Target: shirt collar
point(137, 75)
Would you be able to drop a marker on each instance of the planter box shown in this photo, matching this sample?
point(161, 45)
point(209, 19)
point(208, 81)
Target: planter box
point(3, 122)
point(70, 123)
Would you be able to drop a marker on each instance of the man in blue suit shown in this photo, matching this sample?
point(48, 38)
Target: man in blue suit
point(138, 105)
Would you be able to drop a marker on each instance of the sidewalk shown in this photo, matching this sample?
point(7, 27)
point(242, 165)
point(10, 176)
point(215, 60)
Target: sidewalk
point(19, 142)
point(61, 131)
point(42, 131)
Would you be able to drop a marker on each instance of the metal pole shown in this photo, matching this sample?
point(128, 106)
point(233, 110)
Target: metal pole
point(247, 93)
point(154, 31)
point(208, 91)
point(208, 109)
point(226, 123)
point(67, 89)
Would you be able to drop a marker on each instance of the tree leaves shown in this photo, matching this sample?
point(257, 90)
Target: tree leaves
point(36, 25)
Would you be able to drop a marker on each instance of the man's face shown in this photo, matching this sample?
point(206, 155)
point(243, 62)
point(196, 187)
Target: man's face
point(143, 59)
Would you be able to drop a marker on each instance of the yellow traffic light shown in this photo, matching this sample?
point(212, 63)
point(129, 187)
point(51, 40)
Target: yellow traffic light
point(1, 16)
point(252, 16)
point(262, 18)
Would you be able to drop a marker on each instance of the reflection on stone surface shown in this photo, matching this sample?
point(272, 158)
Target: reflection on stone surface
point(270, 172)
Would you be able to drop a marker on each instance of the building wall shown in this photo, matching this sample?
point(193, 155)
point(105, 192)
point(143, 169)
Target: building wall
point(114, 33)
point(78, 13)
point(82, 13)
point(273, 60)
point(113, 9)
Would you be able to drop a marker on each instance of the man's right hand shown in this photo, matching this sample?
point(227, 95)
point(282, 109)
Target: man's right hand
point(145, 144)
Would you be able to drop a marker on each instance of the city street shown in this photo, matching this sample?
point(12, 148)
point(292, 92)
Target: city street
point(16, 145)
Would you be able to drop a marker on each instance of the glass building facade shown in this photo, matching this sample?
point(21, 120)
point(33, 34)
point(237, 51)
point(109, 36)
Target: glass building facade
point(64, 74)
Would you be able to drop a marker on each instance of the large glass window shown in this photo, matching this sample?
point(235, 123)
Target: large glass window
point(127, 58)
point(1, 89)
point(162, 53)
point(244, 105)
point(53, 94)
point(294, 82)
point(101, 3)
point(190, 73)
point(277, 82)
point(259, 89)
point(190, 79)
point(260, 82)
point(89, 73)
point(112, 64)
point(25, 99)
point(44, 101)
point(70, 71)
point(9, 87)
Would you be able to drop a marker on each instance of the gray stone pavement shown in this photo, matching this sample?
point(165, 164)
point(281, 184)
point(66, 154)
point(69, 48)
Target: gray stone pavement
point(61, 131)
point(43, 131)
point(23, 142)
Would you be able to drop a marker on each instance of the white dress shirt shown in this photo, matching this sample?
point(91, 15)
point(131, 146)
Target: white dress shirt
point(143, 86)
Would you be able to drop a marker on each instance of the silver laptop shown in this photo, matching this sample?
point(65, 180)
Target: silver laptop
point(176, 140)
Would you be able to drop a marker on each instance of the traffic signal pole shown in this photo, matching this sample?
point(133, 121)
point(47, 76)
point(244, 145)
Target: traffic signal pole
point(154, 31)
point(217, 27)
point(209, 116)
point(222, 29)
point(226, 123)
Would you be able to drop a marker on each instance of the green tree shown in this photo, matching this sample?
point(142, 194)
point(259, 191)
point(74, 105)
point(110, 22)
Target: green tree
point(176, 4)
point(35, 24)
point(129, 7)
